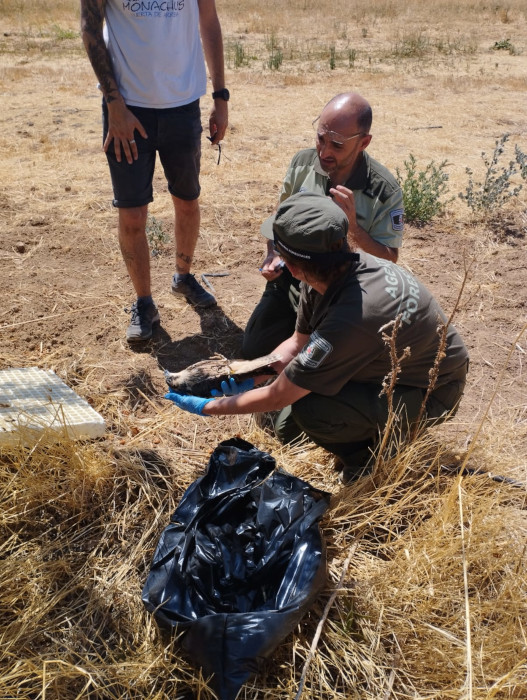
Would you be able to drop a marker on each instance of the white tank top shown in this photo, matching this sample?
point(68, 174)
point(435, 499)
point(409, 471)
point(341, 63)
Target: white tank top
point(156, 51)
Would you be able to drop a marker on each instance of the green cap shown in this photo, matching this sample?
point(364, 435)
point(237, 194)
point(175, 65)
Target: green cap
point(307, 225)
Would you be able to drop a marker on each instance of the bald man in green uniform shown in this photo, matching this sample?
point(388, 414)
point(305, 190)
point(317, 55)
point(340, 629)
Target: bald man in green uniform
point(369, 195)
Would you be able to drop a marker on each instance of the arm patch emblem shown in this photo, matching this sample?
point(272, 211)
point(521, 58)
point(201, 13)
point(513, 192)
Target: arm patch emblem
point(316, 350)
point(397, 217)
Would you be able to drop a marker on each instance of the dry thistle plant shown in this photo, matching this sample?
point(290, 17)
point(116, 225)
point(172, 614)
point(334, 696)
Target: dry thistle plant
point(442, 331)
point(389, 382)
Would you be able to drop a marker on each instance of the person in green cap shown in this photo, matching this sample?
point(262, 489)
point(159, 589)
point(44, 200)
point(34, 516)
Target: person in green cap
point(332, 367)
point(338, 166)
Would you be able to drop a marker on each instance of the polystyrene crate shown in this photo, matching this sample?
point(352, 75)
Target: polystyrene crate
point(33, 399)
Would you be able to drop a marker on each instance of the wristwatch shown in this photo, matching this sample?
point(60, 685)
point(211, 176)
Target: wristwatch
point(222, 94)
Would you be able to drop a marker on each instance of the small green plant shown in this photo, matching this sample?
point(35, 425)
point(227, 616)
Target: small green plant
point(496, 188)
point(505, 45)
point(61, 33)
point(275, 59)
point(352, 57)
point(276, 55)
point(332, 58)
point(239, 55)
point(156, 236)
point(422, 190)
point(412, 46)
point(521, 159)
point(452, 46)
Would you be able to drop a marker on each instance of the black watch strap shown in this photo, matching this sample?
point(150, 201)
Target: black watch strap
point(222, 94)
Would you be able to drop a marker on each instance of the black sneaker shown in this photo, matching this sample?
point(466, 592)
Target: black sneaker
point(188, 287)
point(144, 315)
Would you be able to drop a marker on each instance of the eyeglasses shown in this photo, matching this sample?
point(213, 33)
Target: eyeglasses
point(333, 136)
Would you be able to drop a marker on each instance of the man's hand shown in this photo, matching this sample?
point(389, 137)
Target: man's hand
point(122, 124)
point(272, 267)
point(358, 238)
point(218, 120)
point(346, 201)
point(191, 404)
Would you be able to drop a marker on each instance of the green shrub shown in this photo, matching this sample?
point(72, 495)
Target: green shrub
point(61, 33)
point(521, 159)
point(497, 188)
point(239, 55)
point(276, 55)
point(422, 191)
point(505, 45)
point(332, 58)
point(411, 46)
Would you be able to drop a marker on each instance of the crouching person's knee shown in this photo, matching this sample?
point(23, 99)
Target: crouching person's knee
point(444, 401)
point(303, 417)
point(326, 420)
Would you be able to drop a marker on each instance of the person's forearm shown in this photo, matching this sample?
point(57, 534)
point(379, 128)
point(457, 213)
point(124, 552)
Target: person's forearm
point(288, 349)
point(359, 238)
point(255, 401)
point(272, 397)
point(92, 18)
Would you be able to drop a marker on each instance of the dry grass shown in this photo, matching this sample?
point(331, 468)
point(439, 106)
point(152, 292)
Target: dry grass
point(80, 521)
point(432, 604)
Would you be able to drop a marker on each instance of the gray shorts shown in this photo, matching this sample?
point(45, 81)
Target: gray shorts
point(175, 134)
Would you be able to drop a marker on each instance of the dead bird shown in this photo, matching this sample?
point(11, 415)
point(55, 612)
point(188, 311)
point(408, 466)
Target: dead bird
point(202, 377)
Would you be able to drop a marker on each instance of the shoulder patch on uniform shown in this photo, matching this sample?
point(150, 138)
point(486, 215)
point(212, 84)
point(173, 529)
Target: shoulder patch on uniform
point(397, 217)
point(315, 351)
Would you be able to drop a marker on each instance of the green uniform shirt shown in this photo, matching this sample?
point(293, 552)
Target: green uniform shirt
point(378, 197)
point(344, 325)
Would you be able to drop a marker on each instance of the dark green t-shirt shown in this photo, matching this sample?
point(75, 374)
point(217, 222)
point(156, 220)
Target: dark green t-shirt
point(345, 324)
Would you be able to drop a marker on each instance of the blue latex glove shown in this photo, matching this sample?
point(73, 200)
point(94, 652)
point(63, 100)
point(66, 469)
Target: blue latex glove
point(192, 404)
point(231, 388)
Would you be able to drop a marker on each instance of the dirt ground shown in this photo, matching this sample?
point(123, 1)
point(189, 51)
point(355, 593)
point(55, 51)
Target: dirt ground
point(64, 285)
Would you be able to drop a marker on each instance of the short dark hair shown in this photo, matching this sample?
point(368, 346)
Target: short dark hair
point(327, 271)
point(364, 114)
point(364, 119)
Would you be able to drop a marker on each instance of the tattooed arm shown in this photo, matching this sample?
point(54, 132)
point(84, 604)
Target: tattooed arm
point(121, 122)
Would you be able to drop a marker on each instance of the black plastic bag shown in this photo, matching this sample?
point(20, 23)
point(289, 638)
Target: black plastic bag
point(239, 565)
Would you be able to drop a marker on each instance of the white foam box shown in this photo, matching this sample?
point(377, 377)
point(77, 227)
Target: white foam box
point(33, 400)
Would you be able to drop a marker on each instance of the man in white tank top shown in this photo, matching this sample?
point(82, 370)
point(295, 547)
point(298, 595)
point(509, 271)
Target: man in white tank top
point(149, 57)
